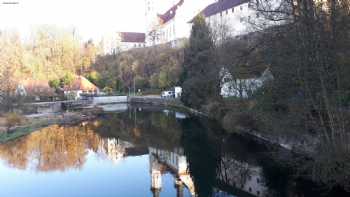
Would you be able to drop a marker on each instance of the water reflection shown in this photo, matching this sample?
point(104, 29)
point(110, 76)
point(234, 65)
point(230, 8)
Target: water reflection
point(175, 155)
point(162, 161)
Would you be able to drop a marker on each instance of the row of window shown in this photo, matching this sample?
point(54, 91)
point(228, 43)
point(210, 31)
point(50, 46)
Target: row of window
point(233, 9)
point(241, 8)
point(139, 45)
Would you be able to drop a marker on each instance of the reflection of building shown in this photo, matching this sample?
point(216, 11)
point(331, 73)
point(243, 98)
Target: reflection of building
point(114, 149)
point(175, 162)
point(242, 176)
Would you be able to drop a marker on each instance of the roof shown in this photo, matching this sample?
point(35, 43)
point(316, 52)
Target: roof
point(81, 83)
point(171, 13)
point(132, 37)
point(221, 5)
point(37, 87)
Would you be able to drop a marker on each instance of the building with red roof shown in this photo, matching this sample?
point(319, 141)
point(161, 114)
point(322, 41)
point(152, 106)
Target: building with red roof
point(78, 87)
point(130, 40)
point(170, 25)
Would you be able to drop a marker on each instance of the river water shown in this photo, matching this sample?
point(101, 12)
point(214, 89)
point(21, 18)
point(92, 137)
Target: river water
point(142, 151)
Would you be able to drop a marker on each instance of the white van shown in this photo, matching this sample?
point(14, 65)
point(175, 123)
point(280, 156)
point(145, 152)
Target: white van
point(168, 94)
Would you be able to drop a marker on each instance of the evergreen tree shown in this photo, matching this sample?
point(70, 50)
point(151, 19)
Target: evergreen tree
point(200, 76)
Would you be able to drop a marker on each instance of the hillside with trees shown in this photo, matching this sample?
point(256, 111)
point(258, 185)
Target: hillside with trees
point(153, 68)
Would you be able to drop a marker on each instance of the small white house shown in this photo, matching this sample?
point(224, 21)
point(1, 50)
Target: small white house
point(243, 88)
point(178, 92)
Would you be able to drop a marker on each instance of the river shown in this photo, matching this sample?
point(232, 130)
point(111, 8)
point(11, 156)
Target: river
point(142, 151)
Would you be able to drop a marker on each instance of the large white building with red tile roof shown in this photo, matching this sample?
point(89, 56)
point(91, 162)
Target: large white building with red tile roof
point(131, 40)
point(171, 25)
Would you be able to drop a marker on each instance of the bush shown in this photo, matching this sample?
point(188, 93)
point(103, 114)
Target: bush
point(215, 109)
point(241, 120)
point(108, 90)
point(13, 119)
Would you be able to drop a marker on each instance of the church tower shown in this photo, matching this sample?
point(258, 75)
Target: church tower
point(150, 14)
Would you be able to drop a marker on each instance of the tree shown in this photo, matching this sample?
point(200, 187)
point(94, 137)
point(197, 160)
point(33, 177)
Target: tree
point(8, 85)
point(201, 74)
point(55, 83)
point(66, 80)
point(307, 56)
point(11, 53)
point(90, 52)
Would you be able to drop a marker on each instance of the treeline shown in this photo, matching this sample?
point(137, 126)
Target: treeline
point(48, 53)
point(155, 68)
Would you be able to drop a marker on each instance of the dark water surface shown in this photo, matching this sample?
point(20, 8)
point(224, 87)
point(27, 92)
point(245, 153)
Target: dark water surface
point(140, 152)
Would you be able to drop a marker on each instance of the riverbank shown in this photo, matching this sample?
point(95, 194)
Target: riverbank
point(296, 143)
point(34, 122)
point(171, 103)
point(301, 143)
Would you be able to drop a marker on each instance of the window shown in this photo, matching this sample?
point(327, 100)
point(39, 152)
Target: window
point(226, 12)
point(220, 13)
point(241, 7)
point(241, 19)
point(233, 10)
point(250, 5)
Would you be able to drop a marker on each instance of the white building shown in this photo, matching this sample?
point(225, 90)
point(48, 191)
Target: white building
point(242, 87)
point(123, 41)
point(109, 43)
point(231, 17)
point(171, 26)
point(131, 40)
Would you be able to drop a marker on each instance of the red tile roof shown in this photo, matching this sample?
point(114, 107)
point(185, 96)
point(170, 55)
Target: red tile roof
point(171, 13)
point(132, 37)
point(37, 88)
point(81, 83)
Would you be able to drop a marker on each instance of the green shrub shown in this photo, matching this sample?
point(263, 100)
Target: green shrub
point(13, 119)
point(108, 90)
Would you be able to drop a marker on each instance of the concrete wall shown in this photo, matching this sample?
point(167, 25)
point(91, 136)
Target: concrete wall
point(109, 99)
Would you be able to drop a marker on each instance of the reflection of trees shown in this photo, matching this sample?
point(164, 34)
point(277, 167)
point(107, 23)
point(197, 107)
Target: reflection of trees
point(143, 128)
point(52, 148)
point(233, 172)
point(60, 148)
point(203, 156)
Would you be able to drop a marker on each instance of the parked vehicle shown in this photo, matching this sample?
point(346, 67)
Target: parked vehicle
point(168, 94)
